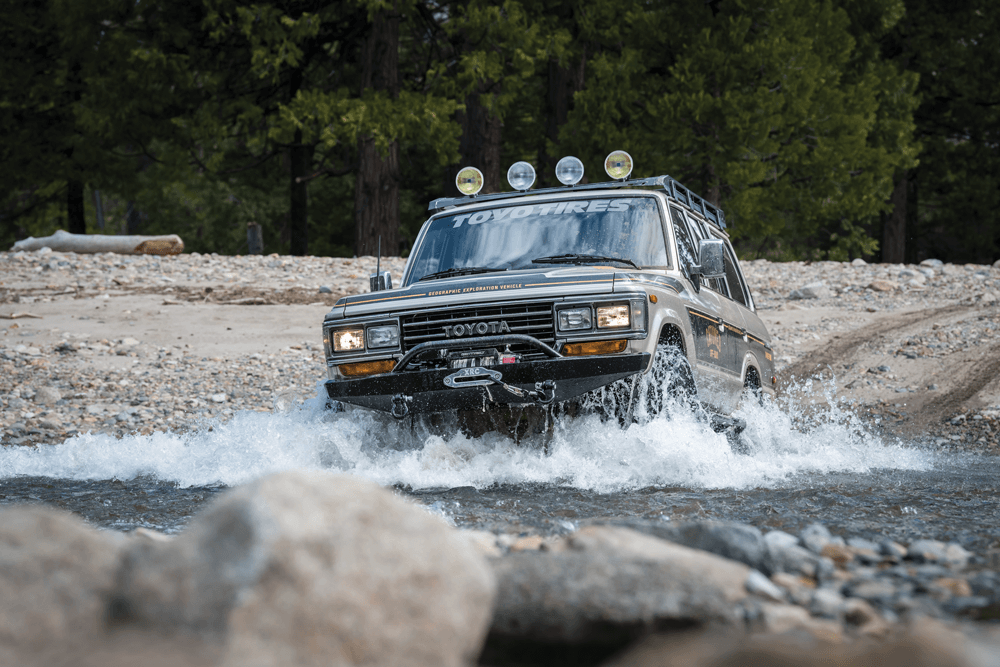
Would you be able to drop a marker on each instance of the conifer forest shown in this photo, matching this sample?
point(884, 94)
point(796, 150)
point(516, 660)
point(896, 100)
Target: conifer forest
point(826, 129)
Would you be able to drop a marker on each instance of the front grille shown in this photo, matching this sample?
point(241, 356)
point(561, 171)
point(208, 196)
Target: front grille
point(532, 319)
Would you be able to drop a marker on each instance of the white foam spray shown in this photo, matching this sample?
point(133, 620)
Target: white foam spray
point(797, 436)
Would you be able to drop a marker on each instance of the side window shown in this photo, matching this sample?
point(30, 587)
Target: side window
point(685, 243)
point(734, 275)
point(733, 278)
point(689, 233)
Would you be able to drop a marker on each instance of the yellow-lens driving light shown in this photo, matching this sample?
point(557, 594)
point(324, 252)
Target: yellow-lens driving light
point(618, 165)
point(521, 176)
point(469, 181)
point(569, 170)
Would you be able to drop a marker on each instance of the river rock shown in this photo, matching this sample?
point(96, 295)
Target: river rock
point(311, 568)
point(811, 291)
point(786, 555)
point(883, 285)
point(816, 536)
point(728, 539)
point(927, 551)
point(47, 395)
point(612, 584)
point(54, 573)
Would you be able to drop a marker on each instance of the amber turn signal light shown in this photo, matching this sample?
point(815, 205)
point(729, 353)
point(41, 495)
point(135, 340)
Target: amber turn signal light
point(594, 347)
point(363, 368)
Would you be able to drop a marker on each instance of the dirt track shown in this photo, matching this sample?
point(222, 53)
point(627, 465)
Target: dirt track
point(937, 385)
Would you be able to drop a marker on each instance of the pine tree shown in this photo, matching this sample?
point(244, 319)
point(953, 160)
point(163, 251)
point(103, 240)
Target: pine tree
point(771, 109)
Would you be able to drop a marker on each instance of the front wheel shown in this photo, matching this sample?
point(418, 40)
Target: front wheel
point(669, 381)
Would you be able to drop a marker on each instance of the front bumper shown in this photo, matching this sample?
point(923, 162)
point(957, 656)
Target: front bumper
point(405, 392)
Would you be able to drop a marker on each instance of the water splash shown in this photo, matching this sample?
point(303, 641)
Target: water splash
point(806, 432)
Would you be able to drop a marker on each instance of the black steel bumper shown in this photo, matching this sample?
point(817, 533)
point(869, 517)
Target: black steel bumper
point(559, 379)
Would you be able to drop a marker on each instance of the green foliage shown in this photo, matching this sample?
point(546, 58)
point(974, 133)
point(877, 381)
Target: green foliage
point(796, 116)
point(767, 108)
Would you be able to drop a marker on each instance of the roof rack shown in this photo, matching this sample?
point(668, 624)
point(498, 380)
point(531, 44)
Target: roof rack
point(674, 190)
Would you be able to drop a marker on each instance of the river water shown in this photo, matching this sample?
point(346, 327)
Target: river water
point(808, 458)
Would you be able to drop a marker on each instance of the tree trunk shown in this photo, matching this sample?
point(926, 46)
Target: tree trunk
point(76, 221)
point(61, 241)
point(894, 228)
point(376, 188)
point(479, 145)
point(300, 158)
point(563, 83)
point(376, 200)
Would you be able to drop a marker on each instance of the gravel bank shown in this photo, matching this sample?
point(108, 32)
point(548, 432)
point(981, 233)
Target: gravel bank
point(116, 344)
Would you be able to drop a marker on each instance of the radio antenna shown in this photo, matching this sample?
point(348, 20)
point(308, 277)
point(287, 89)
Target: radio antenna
point(378, 262)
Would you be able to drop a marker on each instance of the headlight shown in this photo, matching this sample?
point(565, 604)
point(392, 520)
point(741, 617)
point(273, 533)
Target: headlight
point(574, 319)
point(612, 316)
point(346, 340)
point(383, 336)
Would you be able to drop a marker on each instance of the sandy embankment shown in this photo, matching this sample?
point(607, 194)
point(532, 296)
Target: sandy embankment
point(122, 343)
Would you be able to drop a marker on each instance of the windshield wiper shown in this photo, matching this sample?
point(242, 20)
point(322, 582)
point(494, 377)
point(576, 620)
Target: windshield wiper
point(577, 258)
point(458, 271)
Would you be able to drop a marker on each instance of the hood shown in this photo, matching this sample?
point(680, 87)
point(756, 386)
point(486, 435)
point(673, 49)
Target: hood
point(529, 284)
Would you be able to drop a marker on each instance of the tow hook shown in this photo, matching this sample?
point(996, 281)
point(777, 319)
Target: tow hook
point(547, 390)
point(400, 405)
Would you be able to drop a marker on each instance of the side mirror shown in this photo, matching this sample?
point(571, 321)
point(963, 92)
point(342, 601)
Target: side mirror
point(380, 281)
point(711, 258)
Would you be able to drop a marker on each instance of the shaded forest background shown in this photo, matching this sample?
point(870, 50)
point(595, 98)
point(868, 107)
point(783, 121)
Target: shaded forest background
point(825, 129)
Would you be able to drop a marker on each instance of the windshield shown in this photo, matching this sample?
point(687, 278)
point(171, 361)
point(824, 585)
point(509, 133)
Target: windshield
point(512, 237)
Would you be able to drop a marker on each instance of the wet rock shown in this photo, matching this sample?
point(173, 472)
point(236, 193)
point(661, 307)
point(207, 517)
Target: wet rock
point(527, 543)
point(610, 584)
point(892, 549)
point(815, 537)
point(879, 591)
point(728, 539)
point(782, 618)
point(325, 289)
point(928, 551)
point(785, 555)
point(956, 556)
point(799, 589)
point(811, 291)
point(859, 543)
point(311, 568)
point(862, 616)
point(47, 395)
point(780, 539)
point(54, 573)
point(840, 554)
point(758, 584)
point(827, 603)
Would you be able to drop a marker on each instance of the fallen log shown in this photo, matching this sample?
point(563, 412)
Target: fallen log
point(63, 241)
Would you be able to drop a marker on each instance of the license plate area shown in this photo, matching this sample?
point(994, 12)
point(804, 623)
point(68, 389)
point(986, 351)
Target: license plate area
point(473, 358)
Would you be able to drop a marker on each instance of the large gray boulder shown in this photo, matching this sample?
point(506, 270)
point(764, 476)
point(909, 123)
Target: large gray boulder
point(612, 583)
point(55, 572)
point(311, 568)
point(728, 539)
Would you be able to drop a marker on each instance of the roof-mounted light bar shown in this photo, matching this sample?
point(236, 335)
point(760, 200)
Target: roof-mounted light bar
point(569, 171)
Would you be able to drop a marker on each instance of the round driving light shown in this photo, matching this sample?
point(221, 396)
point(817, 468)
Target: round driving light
point(618, 165)
point(469, 181)
point(521, 176)
point(569, 170)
